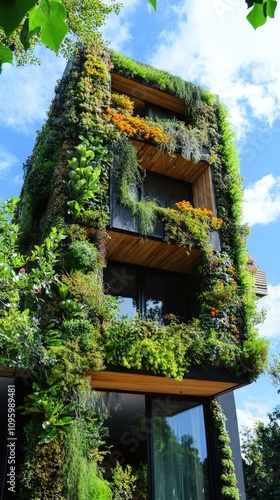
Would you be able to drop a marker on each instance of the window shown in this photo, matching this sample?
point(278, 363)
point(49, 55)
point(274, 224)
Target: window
point(154, 293)
point(165, 191)
point(163, 439)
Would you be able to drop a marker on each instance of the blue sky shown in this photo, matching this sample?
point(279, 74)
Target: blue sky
point(210, 43)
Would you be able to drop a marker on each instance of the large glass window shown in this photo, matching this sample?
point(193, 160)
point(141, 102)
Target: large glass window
point(155, 294)
point(163, 439)
point(165, 191)
point(178, 450)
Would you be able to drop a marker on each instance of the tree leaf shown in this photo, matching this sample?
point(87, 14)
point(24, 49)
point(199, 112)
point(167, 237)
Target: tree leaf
point(270, 7)
point(50, 16)
point(153, 3)
point(12, 13)
point(256, 16)
point(26, 34)
point(6, 56)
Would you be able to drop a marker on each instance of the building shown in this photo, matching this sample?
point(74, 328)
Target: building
point(143, 291)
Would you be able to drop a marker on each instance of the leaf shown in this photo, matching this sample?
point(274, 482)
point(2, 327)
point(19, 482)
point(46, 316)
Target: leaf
point(256, 16)
point(12, 13)
point(270, 7)
point(26, 35)
point(6, 56)
point(64, 421)
point(153, 3)
point(50, 16)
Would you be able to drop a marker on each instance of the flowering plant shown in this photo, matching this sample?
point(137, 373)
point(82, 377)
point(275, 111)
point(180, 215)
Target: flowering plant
point(139, 128)
point(185, 225)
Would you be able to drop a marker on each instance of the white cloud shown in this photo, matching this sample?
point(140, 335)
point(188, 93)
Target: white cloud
point(271, 326)
point(251, 413)
point(118, 28)
point(262, 201)
point(26, 93)
point(213, 43)
point(7, 161)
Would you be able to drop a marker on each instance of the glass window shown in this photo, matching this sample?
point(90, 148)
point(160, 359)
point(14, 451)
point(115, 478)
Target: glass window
point(164, 294)
point(159, 112)
point(121, 282)
point(155, 294)
point(178, 450)
point(171, 432)
point(165, 190)
point(127, 437)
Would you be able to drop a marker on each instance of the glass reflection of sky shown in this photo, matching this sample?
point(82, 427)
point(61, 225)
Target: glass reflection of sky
point(127, 307)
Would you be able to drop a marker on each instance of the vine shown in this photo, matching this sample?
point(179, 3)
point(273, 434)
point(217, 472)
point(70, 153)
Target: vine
point(228, 478)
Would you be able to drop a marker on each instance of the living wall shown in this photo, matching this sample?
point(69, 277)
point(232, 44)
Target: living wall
point(54, 250)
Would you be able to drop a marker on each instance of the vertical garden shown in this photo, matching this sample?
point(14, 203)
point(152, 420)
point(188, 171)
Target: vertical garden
point(58, 322)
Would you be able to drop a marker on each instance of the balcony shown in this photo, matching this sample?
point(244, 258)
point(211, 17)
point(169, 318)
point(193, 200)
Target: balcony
point(261, 284)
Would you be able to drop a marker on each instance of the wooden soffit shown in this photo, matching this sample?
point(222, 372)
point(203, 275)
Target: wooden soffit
point(131, 382)
point(123, 247)
point(146, 93)
point(152, 158)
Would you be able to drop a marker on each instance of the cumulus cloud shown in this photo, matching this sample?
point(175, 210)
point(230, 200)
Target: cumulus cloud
point(118, 30)
point(26, 93)
point(212, 43)
point(271, 326)
point(251, 413)
point(262, 201)
point(7, 161)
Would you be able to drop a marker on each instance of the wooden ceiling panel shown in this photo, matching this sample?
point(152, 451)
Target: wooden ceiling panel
point(151, 253)
point(152, 158)
point(147, 93)
point(118, 381)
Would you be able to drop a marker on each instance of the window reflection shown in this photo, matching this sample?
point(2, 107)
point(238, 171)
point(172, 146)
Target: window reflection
point(179, 450)
point(173, 429)
point(155, 294)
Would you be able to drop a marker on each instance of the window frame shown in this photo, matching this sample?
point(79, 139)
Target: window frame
point(141, 272)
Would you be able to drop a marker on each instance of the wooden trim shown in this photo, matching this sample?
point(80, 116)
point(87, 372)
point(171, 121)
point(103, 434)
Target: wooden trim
point(130, 382)
point(203, 194)
point(148, 94)
point(11, 373)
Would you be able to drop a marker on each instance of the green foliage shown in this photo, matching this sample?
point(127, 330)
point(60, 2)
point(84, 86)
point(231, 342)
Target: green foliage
point(83, 332)
point(260, 448)
point(81, 255)
point(185, 140)
point(123, 482)
point(85, 188)
point(41, 473)
point(25, 24)
point(228, 478)
point(261, 10)
point(193, 95)
point(47, 403)
point(82, 478)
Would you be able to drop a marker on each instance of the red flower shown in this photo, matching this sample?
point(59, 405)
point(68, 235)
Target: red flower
point(22, 270)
